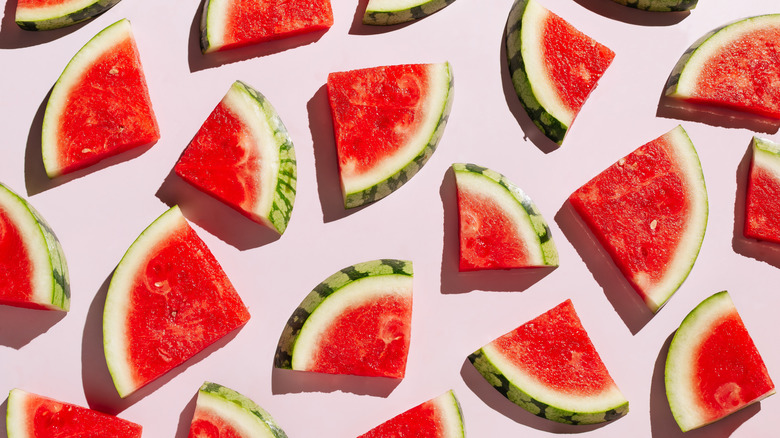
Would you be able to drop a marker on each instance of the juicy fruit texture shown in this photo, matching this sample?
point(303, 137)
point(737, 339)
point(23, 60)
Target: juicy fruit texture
point(99, 106)
point(54, 14)
point(33, 271)
point(549, 367)
point(386, 12)
point(499, 225)
point(168, 299)
point(357, 321)
point(554, 66)
point(228, 24)
point(649, 212)
point(32, 415)
point(713, 367)
point(387, 123)
point(243, 156)
point(733, 67)
point(439, 417)
point(660, 5)
point(223, 412)
point(762, 204)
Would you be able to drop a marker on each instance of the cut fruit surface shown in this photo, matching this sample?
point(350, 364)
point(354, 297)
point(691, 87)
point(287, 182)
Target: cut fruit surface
point(357, 321)
point(549, 367)
point(386, 12)
point(649, 212)
point(713, 367)
point(762, 205)
point(553, 66)
point(243, 156)
point(499, 225)
point(168, 299)
point(100, 105)
point(660, 5)
point(387, 123)
point(223, 412)
point(54, 14)
point(439, 417)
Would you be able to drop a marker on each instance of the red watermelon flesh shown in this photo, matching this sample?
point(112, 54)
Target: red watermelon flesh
point(16, 268)
point(762, 205)
point(206, 424)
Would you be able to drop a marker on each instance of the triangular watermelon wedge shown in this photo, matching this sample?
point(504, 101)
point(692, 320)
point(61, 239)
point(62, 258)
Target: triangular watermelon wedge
point(713, 368)
point(762, 205)
point(439, 417)
point(649, 212)
point(48, 14)
point(168, 299)
point(32, 415)
point(100, 105)
point(388, 12)
point(243, 156)
point(223, 412)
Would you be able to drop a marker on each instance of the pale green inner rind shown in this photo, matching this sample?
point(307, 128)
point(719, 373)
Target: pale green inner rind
point(16, 418)
point(117, 306)
point(213, 24)
point(766, 155)
point(660, 5)
point(451, 415)
point(387, 12)
point(54, 16)
point(237, 410)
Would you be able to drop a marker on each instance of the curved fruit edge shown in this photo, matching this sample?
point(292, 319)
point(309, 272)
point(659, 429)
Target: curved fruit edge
point(449, 404)
point(62, 18)
point(419, 9)
point(660, 5)
point(253, 415)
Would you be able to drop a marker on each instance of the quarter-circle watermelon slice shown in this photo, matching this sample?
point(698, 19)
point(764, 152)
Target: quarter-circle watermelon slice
point(228, 24)
point(649, 212)
point(713, 368)
point(499, 225)
point(387, 123)
point(34, 416)
point(387, 12)
point(553, 66)
point(439, 417)
point(660, 5)
point(54, 14)
point(357, 321)
point(223, 412)
point(243, 156)
point(33, 270)
point(167, 300)
point(734, 67)
point(762, 203)
point(100, 105)
point(549, 367)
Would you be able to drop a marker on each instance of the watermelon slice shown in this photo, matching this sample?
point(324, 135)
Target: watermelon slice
point(762, 205)
point(168, 299)
point(649, 212)
point(387, 122)
point(733, 67)
point(554, 67)
point(713, 368)
point(223, 412)
point(439, 417)
point(33, 271)
point(228, 24)
point(386, 12)
point(549, 367)
point(54, 14)
point(34, 416)
point(500, 227)
point(99, 106)
point(243, 156)
point(357, 321)
point(660, 5)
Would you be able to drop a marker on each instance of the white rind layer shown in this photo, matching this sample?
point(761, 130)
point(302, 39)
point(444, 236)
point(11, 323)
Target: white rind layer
point(16, 417)
point(766, 156)
point(214, 21)
point(245, 422)
point(449, 407)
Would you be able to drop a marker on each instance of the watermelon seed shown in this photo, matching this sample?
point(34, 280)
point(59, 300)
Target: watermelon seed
point(653, 224)
point(621, 161)
point(114, 71)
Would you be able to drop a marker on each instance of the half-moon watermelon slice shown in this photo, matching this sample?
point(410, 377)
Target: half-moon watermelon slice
point(386, 12)
point(553, 65)
point(357, 321)
point(649, 212)
point(243, 156)
point(387, 123)
point(733, 66)
point(33, 271)
point(54, 14)
point(228, 24)
point(440, 417)
point(34, 416)
point(762, 204)
point(499, 225)
point(549, 367)
point(713, 367)
point(660, 5)
point(100, 105)
point(223, 412)
point(168, 299)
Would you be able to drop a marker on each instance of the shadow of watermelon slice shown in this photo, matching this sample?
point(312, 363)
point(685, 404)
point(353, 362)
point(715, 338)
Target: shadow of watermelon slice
point(292, 382)
point(670, 108)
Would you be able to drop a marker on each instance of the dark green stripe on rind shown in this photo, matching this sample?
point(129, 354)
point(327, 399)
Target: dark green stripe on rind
point(383, 18)
point(551, 127)
point(498, 380)
point(674, 76)
point(204, 29)
point(283, 357)
point(231, 396)
point(660, 5)
point(70, 18)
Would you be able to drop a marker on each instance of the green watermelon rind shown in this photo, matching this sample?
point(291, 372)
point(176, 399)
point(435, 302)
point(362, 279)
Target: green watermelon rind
point(660, 5)
point(311, 303)
point(41, 19)
point(207, 15)
point(45, 247)
point(401, 11)
point(536, 233)
point(233, 406)
point(679, 365)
